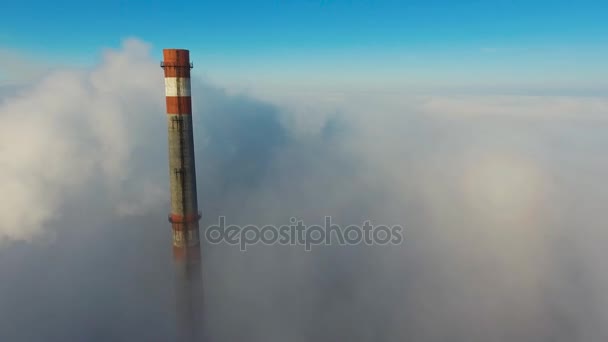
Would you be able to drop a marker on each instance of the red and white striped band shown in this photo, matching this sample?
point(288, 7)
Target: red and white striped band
point(176, 64)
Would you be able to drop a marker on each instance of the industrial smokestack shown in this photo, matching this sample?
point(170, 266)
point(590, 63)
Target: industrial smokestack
point(184, 215)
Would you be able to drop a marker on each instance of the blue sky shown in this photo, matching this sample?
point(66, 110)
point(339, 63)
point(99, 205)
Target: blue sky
point(333, 41)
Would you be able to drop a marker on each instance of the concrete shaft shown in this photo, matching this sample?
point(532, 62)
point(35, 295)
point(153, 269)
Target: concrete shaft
point(182, 173)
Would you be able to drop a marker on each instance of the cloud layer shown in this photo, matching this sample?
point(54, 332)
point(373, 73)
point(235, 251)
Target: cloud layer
point(501, 197)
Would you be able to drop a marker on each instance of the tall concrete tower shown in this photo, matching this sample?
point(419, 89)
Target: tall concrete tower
point(184, 215)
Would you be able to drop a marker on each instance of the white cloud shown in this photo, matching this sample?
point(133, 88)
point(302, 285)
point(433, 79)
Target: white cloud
point(60, 133)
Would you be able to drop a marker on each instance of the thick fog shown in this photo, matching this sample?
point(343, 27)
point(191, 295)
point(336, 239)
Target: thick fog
point(502, 200)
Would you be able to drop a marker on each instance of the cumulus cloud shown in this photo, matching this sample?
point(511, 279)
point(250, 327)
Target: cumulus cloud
point(73, 127)
point(501, 198)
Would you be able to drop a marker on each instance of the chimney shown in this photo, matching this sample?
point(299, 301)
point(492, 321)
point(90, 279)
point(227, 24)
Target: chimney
point(184, 216)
